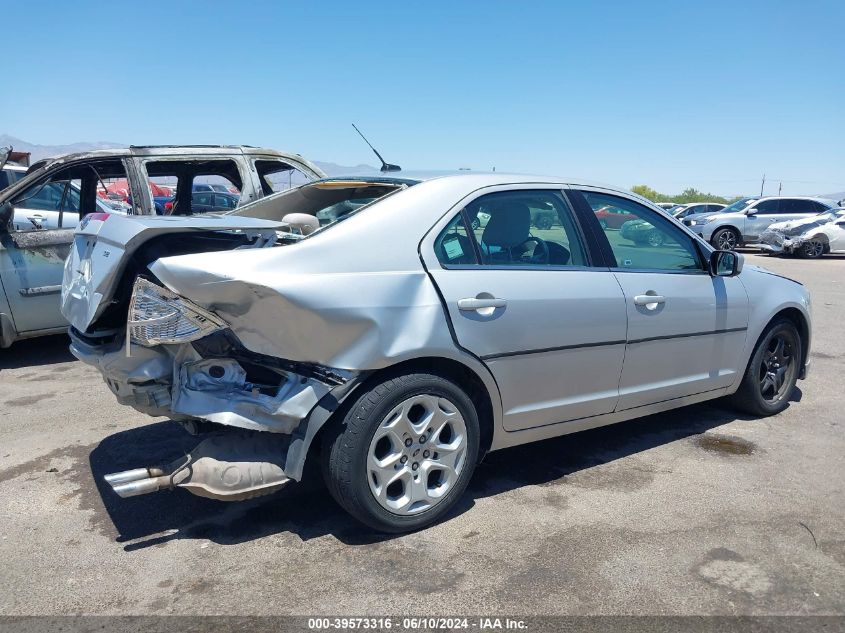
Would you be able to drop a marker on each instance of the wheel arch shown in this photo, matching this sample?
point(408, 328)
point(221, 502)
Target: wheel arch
point(331, 410)
point(802, 325)
point(728, 226)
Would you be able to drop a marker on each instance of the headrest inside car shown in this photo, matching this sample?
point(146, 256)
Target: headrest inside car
point(301, 223)
point(509, 225)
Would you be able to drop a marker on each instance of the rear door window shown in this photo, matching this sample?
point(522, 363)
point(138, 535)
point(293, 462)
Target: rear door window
point(796, 205)
point(525, 228)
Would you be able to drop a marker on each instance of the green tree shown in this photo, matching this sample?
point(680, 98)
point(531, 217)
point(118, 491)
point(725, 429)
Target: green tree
point(690, 194)
point(647, 192)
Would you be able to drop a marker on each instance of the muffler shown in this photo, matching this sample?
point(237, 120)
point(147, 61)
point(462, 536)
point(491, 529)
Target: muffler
point(228, 467)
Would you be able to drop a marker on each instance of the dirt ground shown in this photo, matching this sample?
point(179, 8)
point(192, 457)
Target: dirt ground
point(695, 511)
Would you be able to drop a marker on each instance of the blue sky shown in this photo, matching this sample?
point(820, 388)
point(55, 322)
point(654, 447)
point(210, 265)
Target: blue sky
point(678, 94)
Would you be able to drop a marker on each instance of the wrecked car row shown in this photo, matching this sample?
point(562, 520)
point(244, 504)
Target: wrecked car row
point(39, 211)
point(396, 328)
point(809, 238)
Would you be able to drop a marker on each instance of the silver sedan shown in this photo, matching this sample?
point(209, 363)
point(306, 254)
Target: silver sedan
point(381, 321)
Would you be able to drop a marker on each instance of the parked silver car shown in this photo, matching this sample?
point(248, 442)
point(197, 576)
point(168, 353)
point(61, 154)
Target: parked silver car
point(742, 222)
point(39, 211)
point(693, 208)
point(406, 341)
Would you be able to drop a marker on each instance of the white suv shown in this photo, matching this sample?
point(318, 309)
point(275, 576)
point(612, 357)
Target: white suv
point(743, 221)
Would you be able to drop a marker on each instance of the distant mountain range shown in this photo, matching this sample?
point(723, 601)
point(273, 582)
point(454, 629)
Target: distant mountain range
point(43, 151)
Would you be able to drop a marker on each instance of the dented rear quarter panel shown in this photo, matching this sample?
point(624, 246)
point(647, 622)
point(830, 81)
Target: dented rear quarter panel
point(354, 296)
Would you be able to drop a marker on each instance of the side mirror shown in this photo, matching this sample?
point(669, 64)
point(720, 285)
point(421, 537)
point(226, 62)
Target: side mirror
point(726, 263)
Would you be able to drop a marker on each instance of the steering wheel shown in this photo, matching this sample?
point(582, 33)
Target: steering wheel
point(540, 252)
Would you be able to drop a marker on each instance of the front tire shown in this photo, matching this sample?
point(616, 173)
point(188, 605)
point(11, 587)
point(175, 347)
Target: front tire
point(772, 371)
point(404, 452)
point(812, 249)
point(725, 239)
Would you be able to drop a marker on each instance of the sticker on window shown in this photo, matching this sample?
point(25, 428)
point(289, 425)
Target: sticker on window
point(453, 249)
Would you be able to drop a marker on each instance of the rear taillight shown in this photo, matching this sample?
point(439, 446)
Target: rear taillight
point(102, 217)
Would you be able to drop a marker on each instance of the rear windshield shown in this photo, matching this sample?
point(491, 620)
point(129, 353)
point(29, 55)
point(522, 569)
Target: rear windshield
point(328, 202)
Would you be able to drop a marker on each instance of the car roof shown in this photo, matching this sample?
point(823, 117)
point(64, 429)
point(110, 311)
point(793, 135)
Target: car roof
point(481, 178)
point(474, 180)
point(818, 198)
point(168, 150)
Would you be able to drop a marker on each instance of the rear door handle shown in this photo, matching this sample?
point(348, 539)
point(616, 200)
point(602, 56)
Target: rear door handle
point(644, 300)
point(474, 303)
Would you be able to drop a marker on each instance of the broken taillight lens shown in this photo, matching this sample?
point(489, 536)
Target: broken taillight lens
point(158, 316)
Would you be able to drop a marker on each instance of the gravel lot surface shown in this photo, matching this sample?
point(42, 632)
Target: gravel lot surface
point(695, 511)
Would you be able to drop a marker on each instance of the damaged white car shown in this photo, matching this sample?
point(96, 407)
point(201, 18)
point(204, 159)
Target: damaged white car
point(39, 211)
point(378, 325)
point(810, 238)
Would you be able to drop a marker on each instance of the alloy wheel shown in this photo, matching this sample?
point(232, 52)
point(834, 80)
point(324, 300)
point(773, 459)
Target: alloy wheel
point(417, 454)
point(777, 367)
point(726, 240)
point(813, 249)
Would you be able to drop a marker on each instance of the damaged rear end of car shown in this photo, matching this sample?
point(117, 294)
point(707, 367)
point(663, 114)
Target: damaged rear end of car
point(128, 291)
point(165, 356)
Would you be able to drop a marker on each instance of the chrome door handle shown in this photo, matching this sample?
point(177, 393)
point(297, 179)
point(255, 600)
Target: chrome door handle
point(474, 303)
point(644, 300)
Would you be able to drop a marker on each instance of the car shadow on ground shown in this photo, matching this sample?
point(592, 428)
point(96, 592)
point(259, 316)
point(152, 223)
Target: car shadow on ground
point(306, 508)
point(45, 350)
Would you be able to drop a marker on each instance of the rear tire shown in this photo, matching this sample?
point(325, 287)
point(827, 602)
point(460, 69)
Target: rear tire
point(772, 371)
point(404, 452)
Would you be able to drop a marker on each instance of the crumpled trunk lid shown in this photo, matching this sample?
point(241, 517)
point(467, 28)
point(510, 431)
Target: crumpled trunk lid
point(107, 247)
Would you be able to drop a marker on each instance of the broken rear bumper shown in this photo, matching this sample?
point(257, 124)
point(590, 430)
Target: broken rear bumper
point(215, 381)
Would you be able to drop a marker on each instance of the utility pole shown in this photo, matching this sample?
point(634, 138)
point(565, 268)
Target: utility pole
point(762, 184)
point(780, 188)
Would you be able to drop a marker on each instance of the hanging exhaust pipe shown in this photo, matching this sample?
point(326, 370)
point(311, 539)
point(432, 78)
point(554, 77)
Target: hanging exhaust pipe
point(138, 481)
point(227, 467)
point(133, 475)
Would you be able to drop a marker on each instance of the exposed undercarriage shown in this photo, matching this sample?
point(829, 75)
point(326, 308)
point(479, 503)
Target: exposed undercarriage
point(263, 411)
